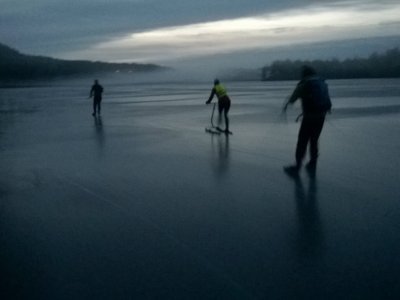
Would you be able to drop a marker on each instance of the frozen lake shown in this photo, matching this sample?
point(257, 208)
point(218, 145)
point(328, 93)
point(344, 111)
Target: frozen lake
point(143, 204)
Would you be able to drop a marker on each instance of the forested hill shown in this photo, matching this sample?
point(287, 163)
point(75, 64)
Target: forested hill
point(386, 65)
point(17, 66)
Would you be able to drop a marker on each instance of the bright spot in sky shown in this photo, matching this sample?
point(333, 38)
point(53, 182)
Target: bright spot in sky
point(262, 31)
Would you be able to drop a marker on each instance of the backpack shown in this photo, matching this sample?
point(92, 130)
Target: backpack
point(316, 91)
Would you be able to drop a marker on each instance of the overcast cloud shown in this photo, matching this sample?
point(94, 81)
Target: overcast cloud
point(164, 31)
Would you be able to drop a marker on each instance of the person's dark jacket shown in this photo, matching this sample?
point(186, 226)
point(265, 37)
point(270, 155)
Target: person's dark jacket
point(314, 95)
point(96, 91)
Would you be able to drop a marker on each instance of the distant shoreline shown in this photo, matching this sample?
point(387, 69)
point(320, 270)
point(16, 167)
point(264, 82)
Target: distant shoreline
point(386, 65)
point(15, 66)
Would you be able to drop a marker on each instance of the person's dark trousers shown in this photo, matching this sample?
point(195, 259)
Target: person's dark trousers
point(224, 105)
point(310, 130)
point(96, 105)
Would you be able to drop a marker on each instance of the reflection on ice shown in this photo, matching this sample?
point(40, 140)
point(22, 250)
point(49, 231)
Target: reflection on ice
point(99, 131)
point(221, 155)
point(310, 239)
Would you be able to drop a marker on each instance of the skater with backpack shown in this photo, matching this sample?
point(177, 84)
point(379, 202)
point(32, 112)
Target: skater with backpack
point(316, 102)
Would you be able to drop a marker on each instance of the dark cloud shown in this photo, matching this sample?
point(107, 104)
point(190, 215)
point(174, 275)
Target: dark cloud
point(48, 26)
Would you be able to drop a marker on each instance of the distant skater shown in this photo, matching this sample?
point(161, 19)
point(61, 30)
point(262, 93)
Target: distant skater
point(316, 102)
point(224, 104)
point(96, 93)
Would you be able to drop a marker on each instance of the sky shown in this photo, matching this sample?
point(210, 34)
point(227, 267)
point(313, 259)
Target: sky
point(178, 31)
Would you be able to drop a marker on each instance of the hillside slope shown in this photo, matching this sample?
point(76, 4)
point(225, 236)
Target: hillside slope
point(17, 66)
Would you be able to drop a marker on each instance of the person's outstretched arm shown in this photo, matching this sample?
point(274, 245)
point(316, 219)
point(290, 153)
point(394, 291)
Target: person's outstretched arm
point(211, 96)
point(91, 92)
point(295, 95)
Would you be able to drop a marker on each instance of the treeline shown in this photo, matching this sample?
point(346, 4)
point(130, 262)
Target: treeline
point(17, 66)
point(386, 65)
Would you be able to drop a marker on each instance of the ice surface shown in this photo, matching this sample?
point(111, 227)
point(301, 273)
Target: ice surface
point(143, 204)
